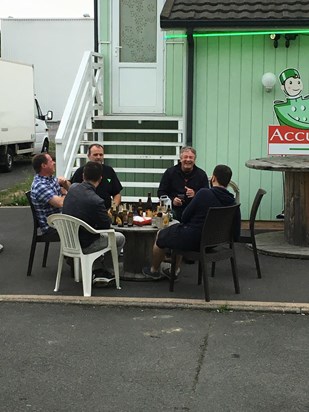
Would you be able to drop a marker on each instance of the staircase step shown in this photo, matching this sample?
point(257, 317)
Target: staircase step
point(136, 131)
point(130, 143)
point(133, 156)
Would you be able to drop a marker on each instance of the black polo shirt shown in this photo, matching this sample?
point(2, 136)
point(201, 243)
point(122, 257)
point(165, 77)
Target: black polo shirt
point(108, 187)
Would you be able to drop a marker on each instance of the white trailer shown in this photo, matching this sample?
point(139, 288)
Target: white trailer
point(23, 130)
point(55, 47)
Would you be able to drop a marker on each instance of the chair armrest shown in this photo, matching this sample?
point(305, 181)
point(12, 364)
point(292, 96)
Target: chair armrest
point(99, 231)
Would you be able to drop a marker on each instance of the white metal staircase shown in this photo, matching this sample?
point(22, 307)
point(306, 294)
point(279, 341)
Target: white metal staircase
point(138, 147)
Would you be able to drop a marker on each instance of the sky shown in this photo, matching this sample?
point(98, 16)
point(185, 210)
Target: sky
point(45, 8)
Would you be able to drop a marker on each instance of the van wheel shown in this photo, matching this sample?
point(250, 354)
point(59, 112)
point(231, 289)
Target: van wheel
point(8, 165)
point(45, 146)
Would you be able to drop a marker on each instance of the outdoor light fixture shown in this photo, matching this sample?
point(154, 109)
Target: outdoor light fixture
point(275, 38)
point(268, 81)
point(288, 38)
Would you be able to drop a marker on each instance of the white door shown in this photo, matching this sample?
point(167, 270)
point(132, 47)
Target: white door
point(137, 56)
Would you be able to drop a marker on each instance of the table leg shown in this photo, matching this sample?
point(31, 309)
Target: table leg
point(296, 212)
point(137, 253)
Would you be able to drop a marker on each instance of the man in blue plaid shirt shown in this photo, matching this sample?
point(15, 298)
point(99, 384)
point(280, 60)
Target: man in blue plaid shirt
point(47, 191)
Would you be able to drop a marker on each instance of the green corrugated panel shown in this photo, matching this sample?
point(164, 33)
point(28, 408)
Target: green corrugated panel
point(175, 70)
point(232, 110)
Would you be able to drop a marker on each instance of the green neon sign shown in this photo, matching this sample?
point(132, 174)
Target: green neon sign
point(238, 33)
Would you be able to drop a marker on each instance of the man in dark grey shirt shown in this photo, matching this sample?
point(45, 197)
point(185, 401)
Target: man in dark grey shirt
point(83, 202)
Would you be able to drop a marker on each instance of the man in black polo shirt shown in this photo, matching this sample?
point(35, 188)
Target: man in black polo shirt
point(181, 182)
point(110, 185)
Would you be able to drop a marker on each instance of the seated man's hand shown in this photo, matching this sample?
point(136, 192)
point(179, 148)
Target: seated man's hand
point(177, 202)
point(63, 191)
point(189, 192)
point(63, 182)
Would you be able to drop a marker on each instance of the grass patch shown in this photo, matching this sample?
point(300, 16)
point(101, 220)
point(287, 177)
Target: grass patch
point(15, 195)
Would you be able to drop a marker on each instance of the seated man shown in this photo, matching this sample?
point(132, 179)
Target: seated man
point(47, 191)
point(187, 235)
point(83, 202)
point(181, 182)
point(109, 186)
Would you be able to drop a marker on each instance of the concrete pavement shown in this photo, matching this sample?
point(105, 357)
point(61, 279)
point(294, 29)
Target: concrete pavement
point(92, 358)
point(138, 349)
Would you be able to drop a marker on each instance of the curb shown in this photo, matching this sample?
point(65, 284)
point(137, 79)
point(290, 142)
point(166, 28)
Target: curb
point(163, 303)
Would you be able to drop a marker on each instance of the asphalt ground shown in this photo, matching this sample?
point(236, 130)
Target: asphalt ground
point(143, 348)
point(284, 281)
point(87, 358)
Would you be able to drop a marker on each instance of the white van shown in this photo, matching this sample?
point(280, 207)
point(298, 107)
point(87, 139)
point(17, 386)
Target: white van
point(41, 143)
point(23, 130)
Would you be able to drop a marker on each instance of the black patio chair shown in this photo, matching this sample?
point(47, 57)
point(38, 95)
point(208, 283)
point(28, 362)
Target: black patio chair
point(216, 244)
point(251, 238)
point(38, 238)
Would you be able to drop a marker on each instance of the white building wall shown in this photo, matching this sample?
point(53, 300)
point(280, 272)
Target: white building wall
point(55, 47)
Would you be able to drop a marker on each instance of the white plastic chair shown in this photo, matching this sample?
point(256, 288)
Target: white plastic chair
point(68, 228)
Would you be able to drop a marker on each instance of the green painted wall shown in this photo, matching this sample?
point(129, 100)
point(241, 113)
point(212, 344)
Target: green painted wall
point(232, 110)
point(175, 76)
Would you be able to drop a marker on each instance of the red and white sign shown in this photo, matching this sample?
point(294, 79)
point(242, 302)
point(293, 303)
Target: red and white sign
point(285, 140)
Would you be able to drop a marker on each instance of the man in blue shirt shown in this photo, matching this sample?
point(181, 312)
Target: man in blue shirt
point(47, 191)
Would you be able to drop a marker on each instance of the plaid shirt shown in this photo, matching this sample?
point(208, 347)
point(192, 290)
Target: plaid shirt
point(42, 190)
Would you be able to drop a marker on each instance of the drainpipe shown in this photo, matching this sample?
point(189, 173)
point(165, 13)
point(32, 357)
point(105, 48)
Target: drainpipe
point(190, 77)
point(96, 27)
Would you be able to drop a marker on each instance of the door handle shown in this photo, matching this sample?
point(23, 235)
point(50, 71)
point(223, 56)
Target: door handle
point(116, 52)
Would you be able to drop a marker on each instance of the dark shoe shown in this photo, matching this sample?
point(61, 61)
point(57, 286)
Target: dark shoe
point(167, 273)
point(1, 248)
point(151, 275)
point(281, 215)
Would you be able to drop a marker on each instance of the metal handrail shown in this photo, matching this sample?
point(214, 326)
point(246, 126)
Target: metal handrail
point(85, 99)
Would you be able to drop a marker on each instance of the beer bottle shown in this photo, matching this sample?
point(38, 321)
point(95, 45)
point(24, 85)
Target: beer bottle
point(159, 217)
point(170, 213)
point(130, 216)
point(114, 214)
point(140, 208)
point(120, 216)
point(148, 206)
point(125, 214)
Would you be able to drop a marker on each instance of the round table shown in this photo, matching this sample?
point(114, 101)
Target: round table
point(296, 207)
point(137, 251)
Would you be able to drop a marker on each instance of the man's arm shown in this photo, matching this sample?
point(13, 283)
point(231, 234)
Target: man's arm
point(117, 199)
point(56, 201)
point(116, 188)
point(78, 176)
point(164, 187)
point(63, 182)
point(191, 208)
point(102, 218)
